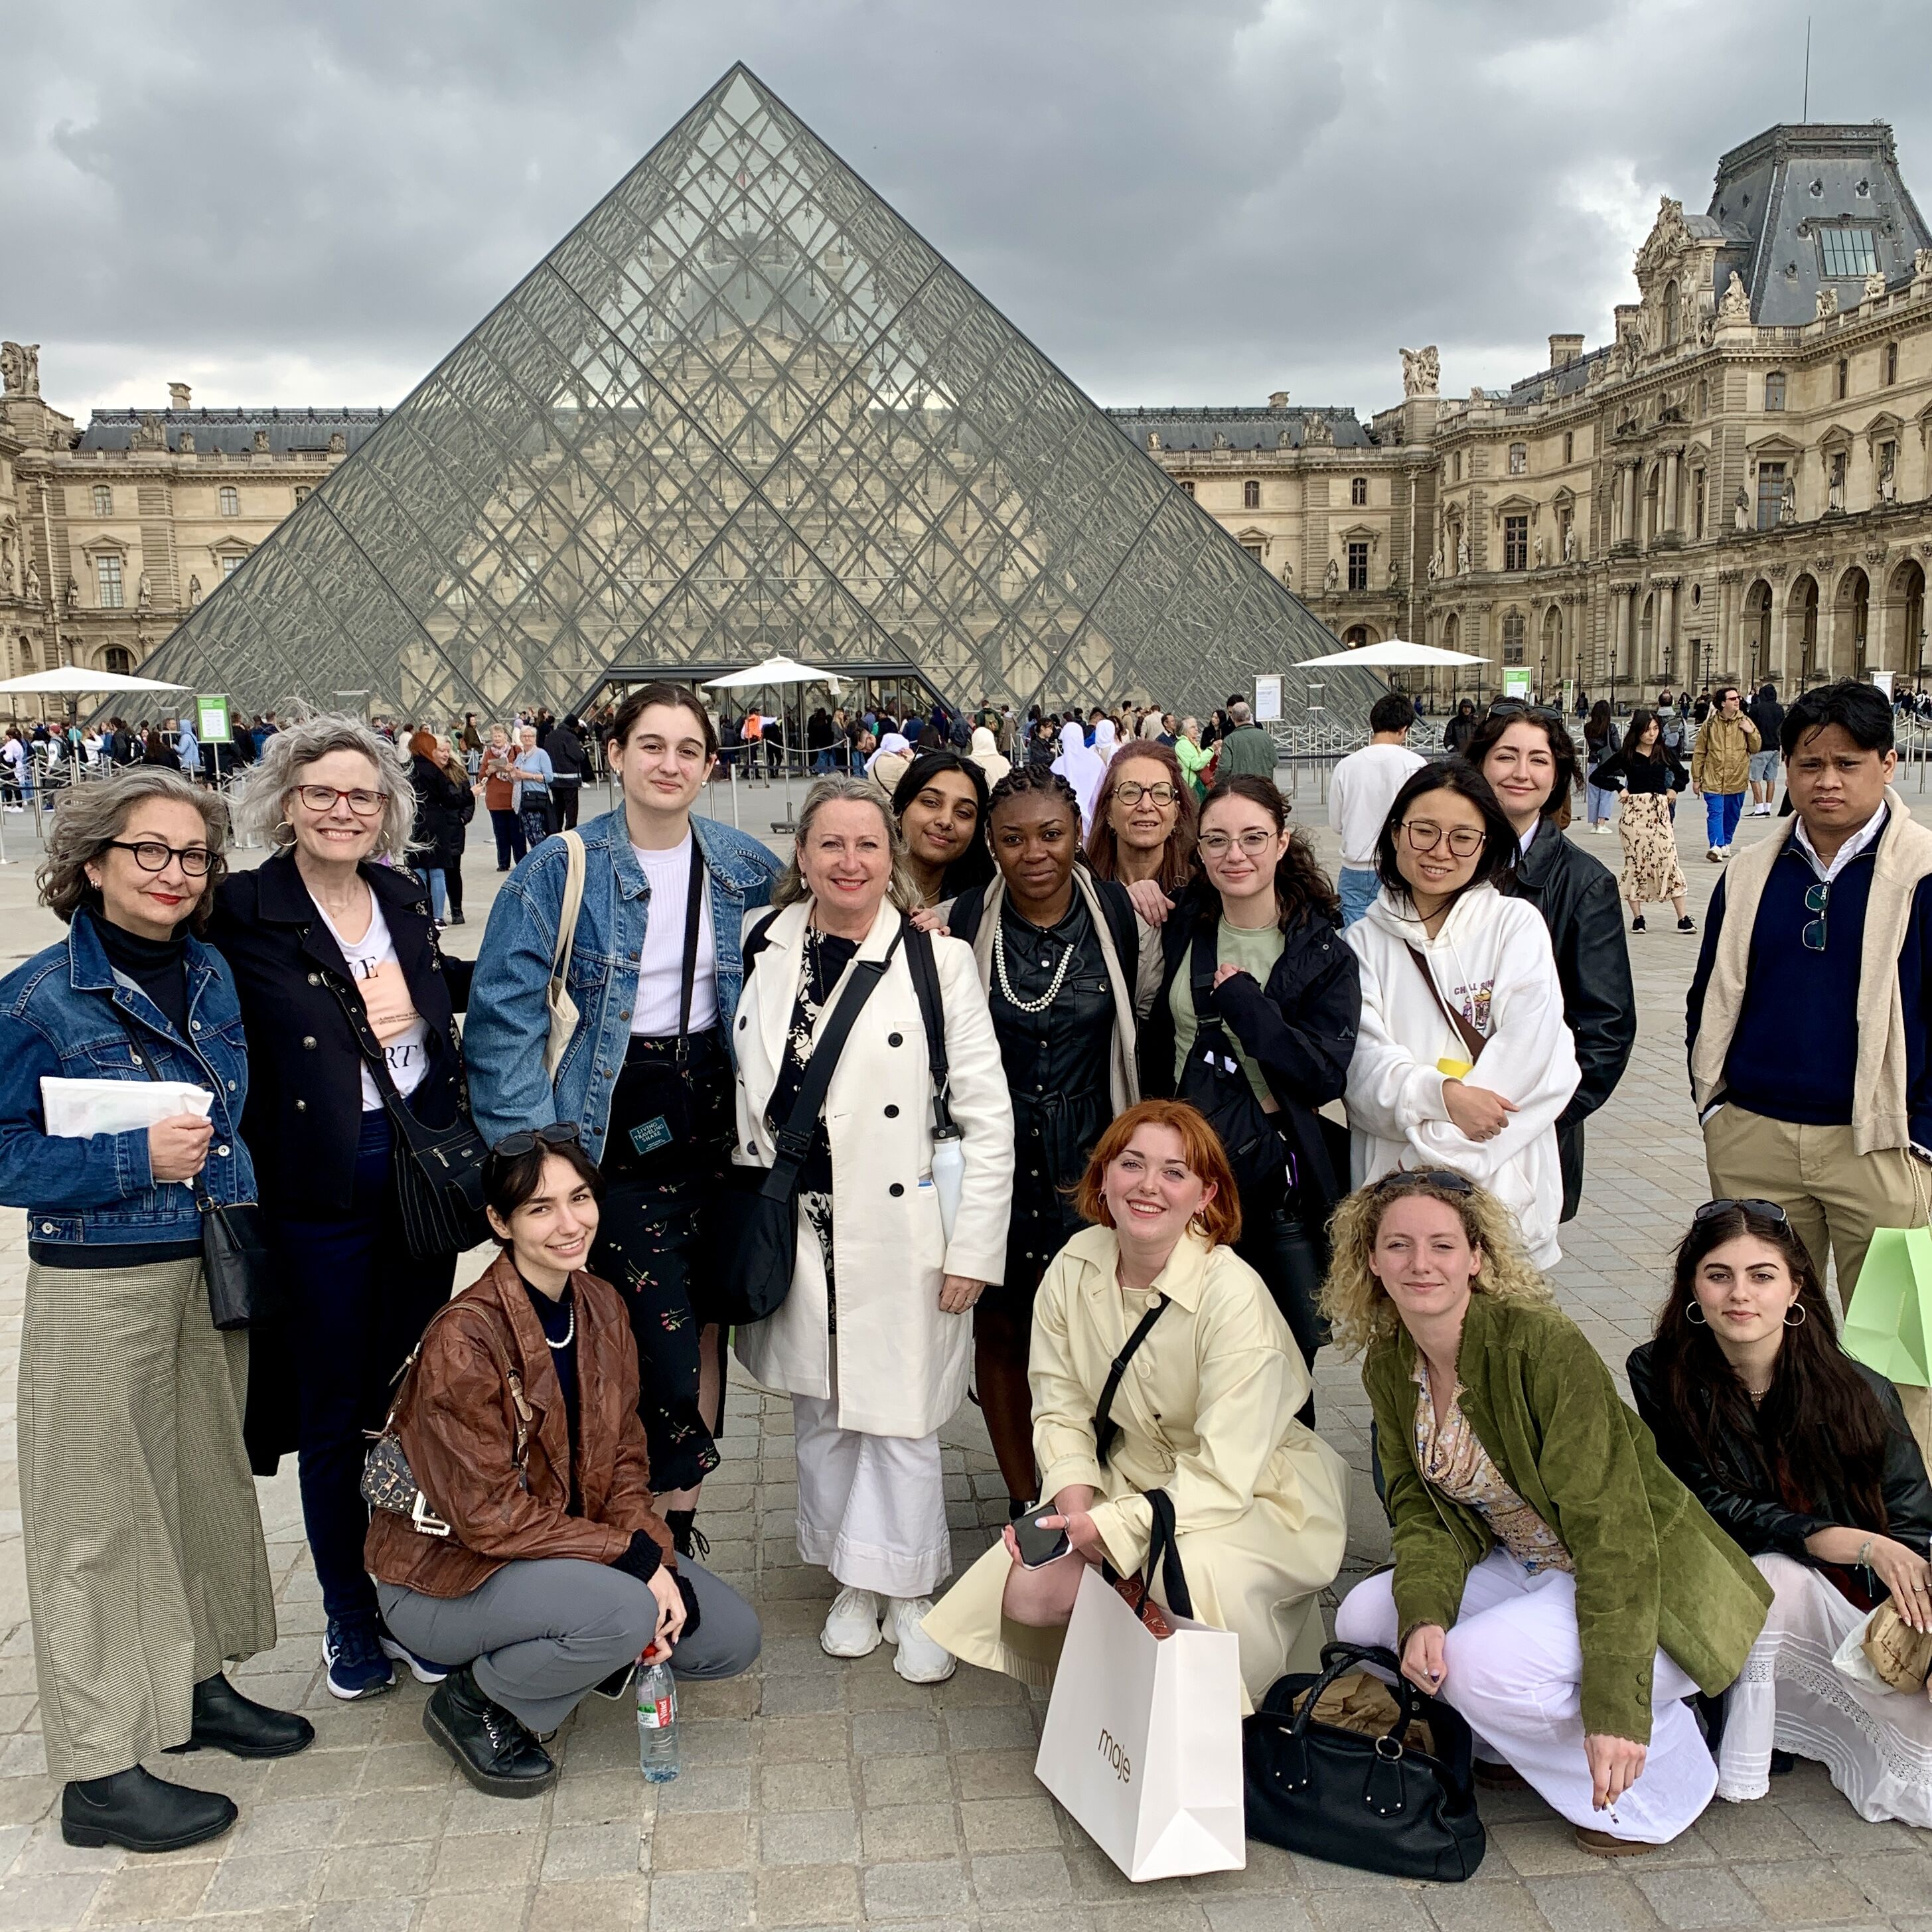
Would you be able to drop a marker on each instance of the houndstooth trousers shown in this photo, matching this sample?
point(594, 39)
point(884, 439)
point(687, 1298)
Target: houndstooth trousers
point(145, 1565)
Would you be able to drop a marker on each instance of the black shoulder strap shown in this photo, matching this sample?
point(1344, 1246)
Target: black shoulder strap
point(794, 1137)
point(1200, 965)
point(926, 983)
point(1104, 1427)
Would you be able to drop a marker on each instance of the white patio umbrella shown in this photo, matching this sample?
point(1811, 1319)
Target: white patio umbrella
point(1393, 653)
point(773, 670)
point(77, 681)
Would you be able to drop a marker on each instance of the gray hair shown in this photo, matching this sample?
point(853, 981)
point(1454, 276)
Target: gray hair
point(90, 818)
point(1241, 713)
point(901, 887)
point(261, 797)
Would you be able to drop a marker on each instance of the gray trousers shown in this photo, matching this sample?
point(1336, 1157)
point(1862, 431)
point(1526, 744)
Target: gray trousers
point(146, 1567)
point(539, 1633)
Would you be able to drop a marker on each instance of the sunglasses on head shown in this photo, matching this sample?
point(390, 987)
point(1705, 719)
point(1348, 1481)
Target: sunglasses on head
point(559, 1133)
point(1521, 707)
point(1765, 1210)
point(1444, 1178)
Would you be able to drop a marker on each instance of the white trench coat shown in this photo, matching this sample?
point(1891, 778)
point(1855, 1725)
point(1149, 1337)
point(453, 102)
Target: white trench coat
point(903, 1362)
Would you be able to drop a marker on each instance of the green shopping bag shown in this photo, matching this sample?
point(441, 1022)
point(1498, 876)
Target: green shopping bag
point(1889, 1325)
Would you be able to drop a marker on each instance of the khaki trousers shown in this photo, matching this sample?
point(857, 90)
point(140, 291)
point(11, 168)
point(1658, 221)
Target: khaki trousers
point(145, 1566)
point(1834, 1197)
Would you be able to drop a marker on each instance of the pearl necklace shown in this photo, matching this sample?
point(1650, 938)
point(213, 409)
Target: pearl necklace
point(569, 1330)
point(1011, 998)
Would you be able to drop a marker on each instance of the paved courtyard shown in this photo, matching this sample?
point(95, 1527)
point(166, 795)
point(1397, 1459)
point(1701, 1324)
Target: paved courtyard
point(818, 1792)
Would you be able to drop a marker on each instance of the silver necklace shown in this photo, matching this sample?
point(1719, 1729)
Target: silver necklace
point(569, 1330)
point(1011, 998)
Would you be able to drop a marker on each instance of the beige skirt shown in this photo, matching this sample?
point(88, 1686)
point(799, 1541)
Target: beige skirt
point(1651, 867)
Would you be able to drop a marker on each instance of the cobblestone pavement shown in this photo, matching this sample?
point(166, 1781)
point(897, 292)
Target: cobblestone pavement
point(819, 1792)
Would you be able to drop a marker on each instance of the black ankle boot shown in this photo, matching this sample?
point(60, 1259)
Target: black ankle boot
point(143, 1812)
point(492, 1748)
point(686, 1538)
point(226, 1720)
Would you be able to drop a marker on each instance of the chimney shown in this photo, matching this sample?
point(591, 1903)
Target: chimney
point(1278, 400)
point(177, 396)
point(1565, 349)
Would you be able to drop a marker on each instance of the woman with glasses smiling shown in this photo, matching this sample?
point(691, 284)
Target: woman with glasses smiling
point(346, 1000)
point(1143, 820)
point(1464, 1059)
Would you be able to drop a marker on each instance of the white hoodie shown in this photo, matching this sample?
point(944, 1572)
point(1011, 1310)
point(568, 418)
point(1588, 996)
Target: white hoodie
point(1492, 961)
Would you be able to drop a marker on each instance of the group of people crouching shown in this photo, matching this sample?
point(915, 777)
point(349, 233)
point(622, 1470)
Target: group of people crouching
point(1077, 1117)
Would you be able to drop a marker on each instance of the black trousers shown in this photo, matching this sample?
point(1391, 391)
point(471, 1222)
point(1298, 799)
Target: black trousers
point(509, 830)
point(1277, 1245)
point(567, 798)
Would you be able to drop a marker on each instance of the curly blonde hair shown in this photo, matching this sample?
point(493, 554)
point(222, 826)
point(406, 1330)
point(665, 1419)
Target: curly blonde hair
point(1353, 1298)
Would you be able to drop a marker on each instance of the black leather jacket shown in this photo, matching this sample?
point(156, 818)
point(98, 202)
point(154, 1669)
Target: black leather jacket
point(1736, 1487)
point(1577, 897)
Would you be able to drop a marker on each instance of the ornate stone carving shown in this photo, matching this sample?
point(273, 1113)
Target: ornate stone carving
point(1461, 556)
point(1536, 551)
point(338, 444)
point(1435, 568)
point(193, 592)
point(1570, 543)
point(1834, 494)
point(1741, 509)
point(20, 368)
point(1331, 578)
point(33, 583)
point(1787, 508)
point(1735, 306)
point(185, 442)
point(149, 432)
point(1394, 577)
point(72, 595)
point(1875, 286)
point(1888, 483)
point(1476, 397)
point(1828, 303)
point(1316, 432)
point(144, 594)
point(1669, 236)
point(1421, 371)
point(262, 442)
point(1921, 264)
point(1288, 576)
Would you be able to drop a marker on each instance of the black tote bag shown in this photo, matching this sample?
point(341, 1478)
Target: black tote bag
point(1212, 1081)
point(1375, 1804)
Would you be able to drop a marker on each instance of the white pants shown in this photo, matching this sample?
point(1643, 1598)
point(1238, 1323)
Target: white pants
point(872, 1509)
point(1515, 1668)
point(1877, 1745)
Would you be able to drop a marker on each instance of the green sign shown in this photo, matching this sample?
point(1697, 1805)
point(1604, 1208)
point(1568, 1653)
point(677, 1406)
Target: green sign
point(1515, 681)
point(211, 725)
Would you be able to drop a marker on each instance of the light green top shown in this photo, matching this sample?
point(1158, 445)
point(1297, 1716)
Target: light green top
point(1255, 951)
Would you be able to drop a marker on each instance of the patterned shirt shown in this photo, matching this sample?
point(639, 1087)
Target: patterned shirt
point(1452, 1457)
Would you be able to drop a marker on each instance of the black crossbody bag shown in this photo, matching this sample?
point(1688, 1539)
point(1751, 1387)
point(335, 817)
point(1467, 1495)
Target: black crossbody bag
point(1213, 1082)
point(757, 1232)
point(234, 1257)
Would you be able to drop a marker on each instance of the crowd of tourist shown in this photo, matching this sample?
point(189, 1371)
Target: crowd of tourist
point(1050, 1066)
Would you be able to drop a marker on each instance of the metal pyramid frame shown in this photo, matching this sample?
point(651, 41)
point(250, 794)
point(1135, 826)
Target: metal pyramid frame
point(742, 408)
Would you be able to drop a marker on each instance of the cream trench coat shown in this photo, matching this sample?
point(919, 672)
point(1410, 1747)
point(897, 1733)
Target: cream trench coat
point(902, 1362)
point(1207, 1413)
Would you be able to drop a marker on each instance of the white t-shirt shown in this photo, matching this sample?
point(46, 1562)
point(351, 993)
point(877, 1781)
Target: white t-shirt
point(1360, 794)
point(393, 1017)
point(654, 1012)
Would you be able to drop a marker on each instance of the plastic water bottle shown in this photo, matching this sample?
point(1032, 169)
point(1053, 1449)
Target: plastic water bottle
point(657, 1720)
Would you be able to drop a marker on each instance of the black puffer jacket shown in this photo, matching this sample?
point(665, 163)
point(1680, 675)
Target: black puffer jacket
point(438, 835)
point(1737, 1489)
point(1577, 897)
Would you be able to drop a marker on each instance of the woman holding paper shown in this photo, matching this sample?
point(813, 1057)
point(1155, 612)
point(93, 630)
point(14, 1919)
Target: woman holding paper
point(350, 1009)
point(1206, 1410)
point(145, 1566)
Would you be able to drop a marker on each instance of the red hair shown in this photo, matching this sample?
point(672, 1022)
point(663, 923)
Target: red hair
point(1220, 1218)
point(422, 745)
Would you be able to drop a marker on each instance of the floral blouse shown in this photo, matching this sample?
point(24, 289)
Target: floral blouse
point(1453, 1459)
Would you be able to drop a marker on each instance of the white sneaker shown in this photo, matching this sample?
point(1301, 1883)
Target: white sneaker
point(920, 1660)
point(852, 1628)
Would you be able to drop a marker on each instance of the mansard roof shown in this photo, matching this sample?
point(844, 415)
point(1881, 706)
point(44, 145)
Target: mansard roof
point(291, 431)
point(1185, 428)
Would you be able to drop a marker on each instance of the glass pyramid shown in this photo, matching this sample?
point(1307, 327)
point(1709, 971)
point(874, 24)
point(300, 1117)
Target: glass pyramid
point(743, 409)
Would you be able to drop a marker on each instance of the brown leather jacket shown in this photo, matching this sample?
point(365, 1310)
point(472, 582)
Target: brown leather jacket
point(457, 1420)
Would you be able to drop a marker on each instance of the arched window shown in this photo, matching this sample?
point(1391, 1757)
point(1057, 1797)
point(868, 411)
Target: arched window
point(1251, 494)
point(231, 500)
point(302, 494)
point(1891, 364)
point(1358, 491)
point(1512, 630)
point(118, 659)
point(1187, 483)
point(1519, 459)
point(103, 500)
point(1773, 390)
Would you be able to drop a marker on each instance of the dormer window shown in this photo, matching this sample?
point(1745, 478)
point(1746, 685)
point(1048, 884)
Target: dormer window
point(1844, 251)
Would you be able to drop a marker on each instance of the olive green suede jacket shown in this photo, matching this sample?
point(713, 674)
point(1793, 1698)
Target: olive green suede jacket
point(1652, 1569)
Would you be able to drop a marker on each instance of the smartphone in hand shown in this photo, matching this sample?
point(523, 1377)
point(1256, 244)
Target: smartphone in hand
point(1037, 1546)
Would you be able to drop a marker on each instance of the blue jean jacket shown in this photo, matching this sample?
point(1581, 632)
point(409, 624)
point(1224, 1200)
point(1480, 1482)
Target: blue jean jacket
point(508, 1024)
point(65, 1015)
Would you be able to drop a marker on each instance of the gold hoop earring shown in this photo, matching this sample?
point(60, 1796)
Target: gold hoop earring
point(283, 826)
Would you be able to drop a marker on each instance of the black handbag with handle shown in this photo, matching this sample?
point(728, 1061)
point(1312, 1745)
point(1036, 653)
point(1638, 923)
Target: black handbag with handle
point(1376, 1803)
point(1213, 1081)
point(757, 1232)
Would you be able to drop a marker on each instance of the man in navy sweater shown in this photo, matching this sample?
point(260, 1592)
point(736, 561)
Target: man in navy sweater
point(1808, 1013)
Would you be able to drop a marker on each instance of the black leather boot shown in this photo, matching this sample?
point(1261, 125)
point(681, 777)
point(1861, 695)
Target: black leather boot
point(226, 1720)
point(492, 1748)
point(135, 1809)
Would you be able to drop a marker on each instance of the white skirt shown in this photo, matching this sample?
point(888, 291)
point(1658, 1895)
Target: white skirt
point(1877, 1745)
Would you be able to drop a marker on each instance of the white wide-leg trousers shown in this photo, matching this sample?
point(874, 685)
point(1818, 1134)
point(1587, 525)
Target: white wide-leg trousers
point(1515, 1668)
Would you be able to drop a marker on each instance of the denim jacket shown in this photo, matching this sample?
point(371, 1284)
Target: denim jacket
point(61, 1015)
point(508, 1025)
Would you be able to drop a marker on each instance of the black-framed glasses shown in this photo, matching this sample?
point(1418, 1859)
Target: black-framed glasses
point(1446, 1178)
point(527, 1140)
point(151, 856)
point(1765, 1210)
point(1424, 835)
point(1131, 791)
point(1816, 899)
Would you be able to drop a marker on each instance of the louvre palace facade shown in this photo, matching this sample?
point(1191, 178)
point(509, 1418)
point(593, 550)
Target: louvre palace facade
point(742, 408)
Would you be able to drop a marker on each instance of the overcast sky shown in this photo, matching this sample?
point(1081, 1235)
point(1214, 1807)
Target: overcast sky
point(1190, 201)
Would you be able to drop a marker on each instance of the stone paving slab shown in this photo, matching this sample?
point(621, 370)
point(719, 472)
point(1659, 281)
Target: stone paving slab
point(820, 1793)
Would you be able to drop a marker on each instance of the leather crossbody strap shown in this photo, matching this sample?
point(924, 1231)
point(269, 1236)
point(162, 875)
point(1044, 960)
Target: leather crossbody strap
point(1473, 1042)
point(926, 984)
point(1104, 1427)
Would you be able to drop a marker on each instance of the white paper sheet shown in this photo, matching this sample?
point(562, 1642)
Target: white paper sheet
point(77, 1109)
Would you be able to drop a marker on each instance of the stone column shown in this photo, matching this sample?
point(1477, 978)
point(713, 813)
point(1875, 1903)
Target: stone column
point(1627, 496)
point(1672, 463)
point(1666, 625)
point(1624, 620)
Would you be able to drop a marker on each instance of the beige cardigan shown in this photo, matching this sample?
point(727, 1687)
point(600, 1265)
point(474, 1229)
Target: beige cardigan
point(1903, 857)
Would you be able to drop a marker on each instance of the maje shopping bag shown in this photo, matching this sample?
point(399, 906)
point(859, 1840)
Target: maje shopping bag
point(1142, 1742)
point(1889, 1325)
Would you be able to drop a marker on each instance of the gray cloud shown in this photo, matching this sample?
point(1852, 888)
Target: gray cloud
point(1179, 202)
